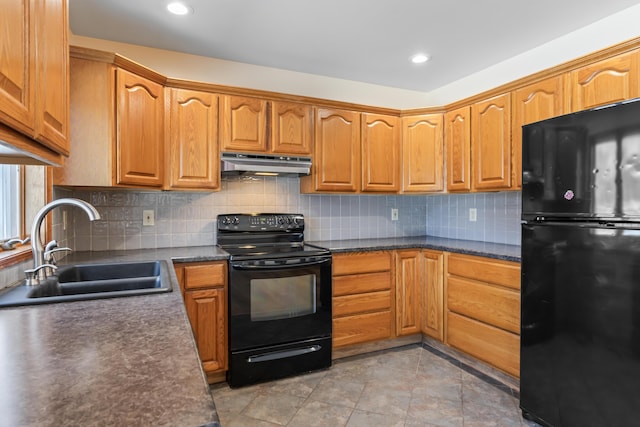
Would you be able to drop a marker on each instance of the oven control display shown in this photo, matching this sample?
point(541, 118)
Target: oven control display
point(261, 222)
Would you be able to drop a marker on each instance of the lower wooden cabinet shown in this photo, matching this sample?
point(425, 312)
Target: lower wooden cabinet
point(483, 310)
point(409, 278)
point(205, 298)
point(432, 294)
point(363, 290)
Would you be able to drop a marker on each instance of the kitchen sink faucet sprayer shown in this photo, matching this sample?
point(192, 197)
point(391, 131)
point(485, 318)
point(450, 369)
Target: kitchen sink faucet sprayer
point(37, 250)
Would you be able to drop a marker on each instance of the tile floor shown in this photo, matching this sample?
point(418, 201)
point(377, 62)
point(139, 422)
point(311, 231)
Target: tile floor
point(408, 386)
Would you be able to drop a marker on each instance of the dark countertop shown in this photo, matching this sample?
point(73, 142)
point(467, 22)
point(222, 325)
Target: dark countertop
point(120, 361)
point(469, 247)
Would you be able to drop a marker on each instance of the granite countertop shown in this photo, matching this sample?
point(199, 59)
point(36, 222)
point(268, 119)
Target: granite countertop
point(120, 361)
point(469, 247)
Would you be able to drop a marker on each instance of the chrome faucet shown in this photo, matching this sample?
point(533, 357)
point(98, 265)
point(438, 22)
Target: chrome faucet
point(37, 249)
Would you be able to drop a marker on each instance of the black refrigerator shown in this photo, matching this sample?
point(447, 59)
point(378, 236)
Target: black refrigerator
point(580, 318)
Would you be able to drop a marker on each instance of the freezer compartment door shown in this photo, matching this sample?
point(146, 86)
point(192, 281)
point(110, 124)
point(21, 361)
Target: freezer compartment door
point(583, 165)
point(580, 325)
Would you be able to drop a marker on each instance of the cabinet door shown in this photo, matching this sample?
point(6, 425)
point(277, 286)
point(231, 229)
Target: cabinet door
point(458, 142)
point(52, 57)
point(337, 151)
point(408, 274)
point(194, 160)
point(380, 153)
point(433, 294)
point(243, 124)
point(610, 80)
point(17, 65)
point(491, 143)
point(533, 103)
point(207, 314)
point(292, 128)
point(422, 160)
point(140, 141)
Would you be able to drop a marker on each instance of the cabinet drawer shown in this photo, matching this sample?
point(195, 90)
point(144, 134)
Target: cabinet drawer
point(361, 328)
point(359, 283)
point(356, 263)
point(361, 303)
point(485, 270)
point(494, 305)
point(492, 345)
point(205, 276)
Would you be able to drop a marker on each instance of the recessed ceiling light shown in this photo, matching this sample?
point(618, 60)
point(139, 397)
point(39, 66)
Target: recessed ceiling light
point(419, 58)
point(178, 8)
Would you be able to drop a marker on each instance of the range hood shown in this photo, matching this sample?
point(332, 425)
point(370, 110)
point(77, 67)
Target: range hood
point(264, 165)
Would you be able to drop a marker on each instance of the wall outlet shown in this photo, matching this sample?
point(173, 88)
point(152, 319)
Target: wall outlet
point(148, 217)
point(473, 214)
point(394, 214)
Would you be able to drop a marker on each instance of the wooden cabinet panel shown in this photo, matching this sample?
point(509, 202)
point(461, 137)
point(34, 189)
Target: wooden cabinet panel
point(361, 262)
point(604, 82)
point(205, 275)
point(361, 328)
point(422, 157)
point(336, 162)
point(380, 153)
point(504, 273)
point(243, 124)
point(207, 313)
point(205, 298)
point(490, 344)
point(292, 128)
point(359, 283)
point(408, 281)
point(432, 299)
point(353, 304)
point(493, 305)
point(18, 64)
point(363, 290)
point(140, 137)
point(491, 143)
point(538, 101)
point(194, 160)
point(52, 58)
point(458, 143)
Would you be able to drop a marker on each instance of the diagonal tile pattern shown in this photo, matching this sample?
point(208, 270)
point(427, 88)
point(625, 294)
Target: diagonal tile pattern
point(409, 386)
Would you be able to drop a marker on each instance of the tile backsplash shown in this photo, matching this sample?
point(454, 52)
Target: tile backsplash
point(188, 218)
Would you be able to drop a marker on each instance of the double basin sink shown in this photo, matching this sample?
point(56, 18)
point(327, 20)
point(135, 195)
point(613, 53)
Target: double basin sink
point(93, 281)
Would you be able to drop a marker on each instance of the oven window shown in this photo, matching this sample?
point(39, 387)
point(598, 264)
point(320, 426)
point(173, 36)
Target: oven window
point(283, 297)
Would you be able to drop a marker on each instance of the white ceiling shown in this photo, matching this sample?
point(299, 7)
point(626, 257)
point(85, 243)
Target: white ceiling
point(363, 40)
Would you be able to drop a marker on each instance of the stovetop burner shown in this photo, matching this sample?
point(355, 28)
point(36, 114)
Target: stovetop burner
point(264, 235)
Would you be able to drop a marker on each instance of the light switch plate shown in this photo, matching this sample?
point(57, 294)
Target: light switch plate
point(394, 214)
point(473, 214)
point(148, 217)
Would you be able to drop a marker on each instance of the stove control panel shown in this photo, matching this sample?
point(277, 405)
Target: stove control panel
point(261, 222)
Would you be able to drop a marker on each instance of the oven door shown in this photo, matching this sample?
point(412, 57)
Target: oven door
point(279, 301)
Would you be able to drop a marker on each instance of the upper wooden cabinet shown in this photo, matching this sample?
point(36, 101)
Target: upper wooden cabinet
point(243, 124)
point(538, 101)
point(603, 82)
point(336, 160)
point(380, 153)
point(140, 130)
point(117, 126)
point(422, 159)
point(491, 143)
point(194, 156)
point(458, 142)
point(34, 71)
point(291, 128)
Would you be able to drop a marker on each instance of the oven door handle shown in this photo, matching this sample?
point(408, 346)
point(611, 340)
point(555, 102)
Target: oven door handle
point(282, 354)
point(275, 265)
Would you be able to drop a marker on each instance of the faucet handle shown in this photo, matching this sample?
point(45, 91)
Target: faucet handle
point(48, 254)
point(35, 275)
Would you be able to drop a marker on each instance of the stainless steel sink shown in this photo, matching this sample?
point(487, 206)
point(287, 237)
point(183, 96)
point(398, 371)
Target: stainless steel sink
point(93, 281)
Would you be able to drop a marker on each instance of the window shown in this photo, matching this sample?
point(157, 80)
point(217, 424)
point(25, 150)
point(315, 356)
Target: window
point(11, 201)
point(23, 191)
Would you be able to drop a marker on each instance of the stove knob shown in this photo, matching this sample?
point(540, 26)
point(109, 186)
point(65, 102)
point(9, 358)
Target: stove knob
point(225, 220)
point(280, 220)
point(288, 220)
point(236, 220)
